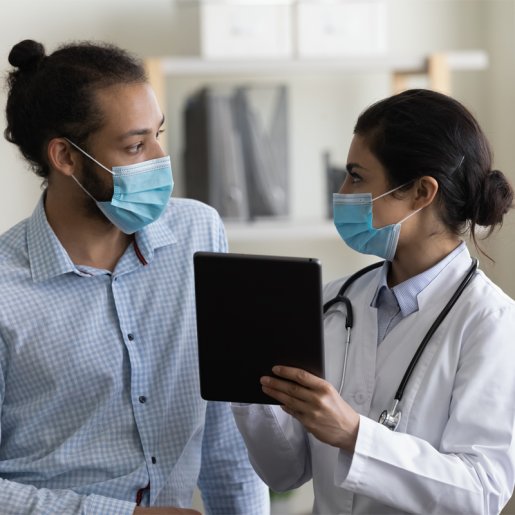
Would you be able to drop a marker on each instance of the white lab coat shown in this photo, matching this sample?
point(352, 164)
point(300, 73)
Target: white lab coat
point(453, 451)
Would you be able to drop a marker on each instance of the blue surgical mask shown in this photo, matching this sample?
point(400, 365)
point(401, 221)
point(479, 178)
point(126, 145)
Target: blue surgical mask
point(141, 192)
point(352, 214)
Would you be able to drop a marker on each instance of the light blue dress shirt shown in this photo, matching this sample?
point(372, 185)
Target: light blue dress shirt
point(394, 304)
point(99, 386)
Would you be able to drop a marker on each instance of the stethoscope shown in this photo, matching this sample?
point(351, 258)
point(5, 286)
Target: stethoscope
point(391, 418)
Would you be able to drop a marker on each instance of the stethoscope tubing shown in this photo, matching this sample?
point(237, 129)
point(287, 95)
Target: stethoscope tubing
point(349, 322)
point(439, 319)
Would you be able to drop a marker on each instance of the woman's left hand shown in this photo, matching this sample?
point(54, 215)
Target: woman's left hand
point(316, 404)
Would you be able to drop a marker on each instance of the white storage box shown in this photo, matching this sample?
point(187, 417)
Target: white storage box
point(245, 29)
point(341, 28)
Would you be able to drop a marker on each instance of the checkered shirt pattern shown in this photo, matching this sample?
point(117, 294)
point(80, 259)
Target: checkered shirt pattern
point(99, 386)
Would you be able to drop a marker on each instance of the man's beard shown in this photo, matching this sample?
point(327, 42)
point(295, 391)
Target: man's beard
point(96, 188)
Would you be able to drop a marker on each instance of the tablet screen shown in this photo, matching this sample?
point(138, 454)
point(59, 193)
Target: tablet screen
point(254, 312)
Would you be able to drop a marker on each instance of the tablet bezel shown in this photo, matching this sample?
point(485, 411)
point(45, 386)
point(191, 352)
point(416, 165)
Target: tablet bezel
point(239, 299)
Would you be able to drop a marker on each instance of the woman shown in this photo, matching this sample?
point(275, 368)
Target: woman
point(419, 176)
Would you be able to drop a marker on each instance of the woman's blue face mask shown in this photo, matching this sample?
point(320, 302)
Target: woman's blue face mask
point(353, 219)
point(141, 192)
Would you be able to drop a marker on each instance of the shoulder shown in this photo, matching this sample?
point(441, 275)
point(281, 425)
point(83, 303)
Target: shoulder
point(13, 245)
point(487, 297)
point(191, 212)
point(369, 279)
point(195, 225)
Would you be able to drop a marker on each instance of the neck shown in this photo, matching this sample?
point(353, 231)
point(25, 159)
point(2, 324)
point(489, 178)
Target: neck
point(414, 259)
point(89, 240)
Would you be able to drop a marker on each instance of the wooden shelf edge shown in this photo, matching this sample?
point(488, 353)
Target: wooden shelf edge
point(190, 66)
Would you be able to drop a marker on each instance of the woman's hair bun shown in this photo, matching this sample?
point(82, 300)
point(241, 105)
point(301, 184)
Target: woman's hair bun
point(27, 54)
point(497, 199)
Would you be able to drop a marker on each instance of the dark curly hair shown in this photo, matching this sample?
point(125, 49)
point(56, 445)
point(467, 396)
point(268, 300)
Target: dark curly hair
point(52, 96)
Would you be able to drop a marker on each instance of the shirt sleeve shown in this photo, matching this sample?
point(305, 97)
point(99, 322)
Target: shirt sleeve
point(277, 443)
point(23, 499)
point(473, 468)
point(20, 499)
point(223, 246)
point(227, 481)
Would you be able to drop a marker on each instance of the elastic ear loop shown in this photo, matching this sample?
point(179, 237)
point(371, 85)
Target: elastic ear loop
point(398, 188)
point(84, 189)
point(86, 154)
point(95, 161)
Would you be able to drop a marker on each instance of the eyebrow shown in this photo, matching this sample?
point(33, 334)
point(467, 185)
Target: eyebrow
point(140, 132)
point(351, 166)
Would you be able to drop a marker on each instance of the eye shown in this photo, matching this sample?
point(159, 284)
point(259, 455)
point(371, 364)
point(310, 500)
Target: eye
point(354, 177)
point(159, 132)
point(134, 149)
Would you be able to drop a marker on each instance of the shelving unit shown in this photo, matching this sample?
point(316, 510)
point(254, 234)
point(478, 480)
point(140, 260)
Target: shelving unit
point(436, 68)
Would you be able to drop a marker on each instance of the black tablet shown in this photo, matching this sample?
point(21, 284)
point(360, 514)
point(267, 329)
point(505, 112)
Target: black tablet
point(254, 312)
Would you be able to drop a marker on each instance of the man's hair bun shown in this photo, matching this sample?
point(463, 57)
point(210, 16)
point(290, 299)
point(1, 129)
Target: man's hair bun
point(26, 55)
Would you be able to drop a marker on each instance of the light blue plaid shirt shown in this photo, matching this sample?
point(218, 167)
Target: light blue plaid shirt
point(99, 387)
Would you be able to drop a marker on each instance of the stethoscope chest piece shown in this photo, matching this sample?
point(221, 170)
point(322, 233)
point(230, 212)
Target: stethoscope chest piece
point(391, 419)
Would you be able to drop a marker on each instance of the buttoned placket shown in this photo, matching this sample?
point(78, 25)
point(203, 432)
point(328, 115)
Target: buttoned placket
point(139, 382)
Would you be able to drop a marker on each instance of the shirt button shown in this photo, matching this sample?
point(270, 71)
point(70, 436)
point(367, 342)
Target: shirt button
point(142, 399)
point(154, 460)
point(359, 397)
point(130, 336)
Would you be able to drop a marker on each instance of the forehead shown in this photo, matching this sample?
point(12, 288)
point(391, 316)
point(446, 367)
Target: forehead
point(127, 107)
point(360, 154)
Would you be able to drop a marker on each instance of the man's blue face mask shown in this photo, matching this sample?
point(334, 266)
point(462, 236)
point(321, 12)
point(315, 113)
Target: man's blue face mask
point(141, 192)
point(352, 214)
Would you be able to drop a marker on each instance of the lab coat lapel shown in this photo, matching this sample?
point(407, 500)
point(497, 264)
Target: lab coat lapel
point(361, 366)
point(398, 348)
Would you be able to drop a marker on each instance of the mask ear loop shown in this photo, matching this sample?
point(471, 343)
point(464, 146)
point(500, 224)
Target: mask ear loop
point(87, 155)
point(398, 188)
point(391, 191)
point(95, 161)
point(83, 188)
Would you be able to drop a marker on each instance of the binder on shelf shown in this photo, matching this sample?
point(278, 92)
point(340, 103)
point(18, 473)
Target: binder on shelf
point(213, 157)
point(236, 150)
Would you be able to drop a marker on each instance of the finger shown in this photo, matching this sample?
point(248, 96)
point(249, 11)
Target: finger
point(298, 375)
point(289, 388)
point(279, 396)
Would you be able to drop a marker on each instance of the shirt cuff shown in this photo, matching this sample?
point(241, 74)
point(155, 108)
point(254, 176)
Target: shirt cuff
point(101, 505)
point(350, 468)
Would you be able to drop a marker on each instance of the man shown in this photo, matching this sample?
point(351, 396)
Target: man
point(101, 412)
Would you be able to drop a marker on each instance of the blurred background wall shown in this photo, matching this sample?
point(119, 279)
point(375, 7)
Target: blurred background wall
point(323, 106)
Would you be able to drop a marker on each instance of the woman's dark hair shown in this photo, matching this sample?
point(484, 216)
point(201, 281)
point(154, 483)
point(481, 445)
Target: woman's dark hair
point(52, 96)
point(420, 132)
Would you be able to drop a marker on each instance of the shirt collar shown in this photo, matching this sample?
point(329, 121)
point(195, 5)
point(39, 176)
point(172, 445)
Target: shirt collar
point(155, 235)
point(48, 258)
point(406, 293)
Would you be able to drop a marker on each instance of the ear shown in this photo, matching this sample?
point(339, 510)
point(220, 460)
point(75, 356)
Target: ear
point(426, 189)
point(62, 157)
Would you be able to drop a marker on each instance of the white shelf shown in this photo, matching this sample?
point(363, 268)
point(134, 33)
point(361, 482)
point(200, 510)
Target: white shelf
point(186, 66)
point(273, 230)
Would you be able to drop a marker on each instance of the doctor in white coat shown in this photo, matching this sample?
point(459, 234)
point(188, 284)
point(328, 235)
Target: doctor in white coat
point(419, 176)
